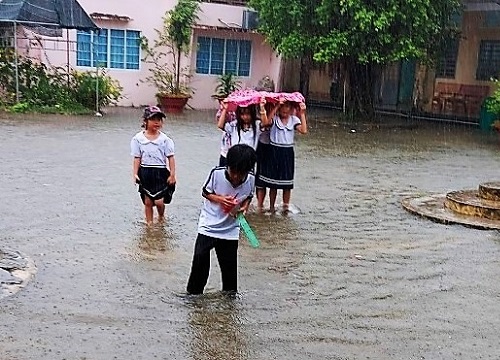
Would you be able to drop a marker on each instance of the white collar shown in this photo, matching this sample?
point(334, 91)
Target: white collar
point(144, 140)
point(288, 126)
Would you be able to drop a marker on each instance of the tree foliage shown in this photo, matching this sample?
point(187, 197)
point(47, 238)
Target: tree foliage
point(357, 32)
point(171, 42)
point(378, 31)
point(383, 31)
point(50, 89)
point(290, 26)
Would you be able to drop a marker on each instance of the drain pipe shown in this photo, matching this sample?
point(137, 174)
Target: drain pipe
point(344, 97)
point(16, 62)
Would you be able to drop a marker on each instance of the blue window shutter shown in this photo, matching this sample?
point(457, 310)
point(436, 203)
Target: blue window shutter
point(217, 58)
point(117, 49)
point(83, 48)
point(223, 56)
point(133, 50)
point(100, 42)
point(245, 57)
point(232, 55)
point(203, 55)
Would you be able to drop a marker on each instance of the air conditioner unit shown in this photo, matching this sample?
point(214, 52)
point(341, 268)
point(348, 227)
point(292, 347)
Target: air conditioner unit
point(250, 20)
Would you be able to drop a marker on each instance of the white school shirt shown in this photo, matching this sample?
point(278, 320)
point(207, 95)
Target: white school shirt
point(225, 141)
point(153, 153)
point(281, 134)
point(213, 221)
point(244, 136)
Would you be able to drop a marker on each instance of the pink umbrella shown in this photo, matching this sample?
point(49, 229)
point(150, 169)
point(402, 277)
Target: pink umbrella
point(249, 96)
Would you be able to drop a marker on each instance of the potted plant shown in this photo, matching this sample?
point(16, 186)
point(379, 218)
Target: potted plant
point(164, 56)
point(265, 84)
point(226, 84)
point(490, 111)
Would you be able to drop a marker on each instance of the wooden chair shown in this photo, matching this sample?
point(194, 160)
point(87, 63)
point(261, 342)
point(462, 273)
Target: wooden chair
point(444, 93)
point(469, 99)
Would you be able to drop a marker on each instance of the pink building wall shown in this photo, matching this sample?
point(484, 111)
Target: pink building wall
point(215, 20)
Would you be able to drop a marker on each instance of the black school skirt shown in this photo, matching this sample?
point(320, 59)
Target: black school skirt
point(279, 169)
point(264, 164)
point(153, 184)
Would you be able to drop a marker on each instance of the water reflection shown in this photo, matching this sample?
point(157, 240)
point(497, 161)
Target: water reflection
point(215, 323)
point(274, 229)
point(152, 241)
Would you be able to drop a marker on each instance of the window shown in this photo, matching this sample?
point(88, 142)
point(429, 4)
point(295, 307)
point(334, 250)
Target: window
point(448, 62)
point(223, 56)
point(6, 37)
point(491, 19)
point(116, 49)
point(488, 62)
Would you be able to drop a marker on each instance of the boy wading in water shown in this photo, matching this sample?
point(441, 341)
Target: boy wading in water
point(154, 164)
point(227, 191)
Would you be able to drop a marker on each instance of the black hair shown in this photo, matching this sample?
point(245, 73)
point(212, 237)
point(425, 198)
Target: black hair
point(154, 117)
point(293, 105)
point(239, 122)
point(241, 158)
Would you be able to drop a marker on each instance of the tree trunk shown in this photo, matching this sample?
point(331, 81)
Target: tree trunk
point(360, 99)
point(178, 71)
point(305, 68)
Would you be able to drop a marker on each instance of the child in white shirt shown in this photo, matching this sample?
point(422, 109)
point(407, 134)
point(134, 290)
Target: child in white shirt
point(227, 191)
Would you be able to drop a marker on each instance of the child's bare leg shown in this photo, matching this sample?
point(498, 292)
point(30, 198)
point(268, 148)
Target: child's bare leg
point(287, 193)
point(261, 195)
point(148, 210)
point(272, 199)
point(160, 207)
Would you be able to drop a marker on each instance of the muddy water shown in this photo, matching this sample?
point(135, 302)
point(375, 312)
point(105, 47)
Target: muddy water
point(353, 276)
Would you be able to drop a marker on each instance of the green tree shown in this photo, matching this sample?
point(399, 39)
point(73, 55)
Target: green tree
point(362, 34)
point(171, 42)
point(290, 27)
point(179, 28)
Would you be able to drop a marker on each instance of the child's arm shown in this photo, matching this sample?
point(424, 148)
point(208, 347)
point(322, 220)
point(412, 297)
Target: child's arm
point(244, 205)
point(135, 169)
point(171, 163)
point(222, 118)
point(226, 202)
point(219, 111)
point(302, 128)
point(264, 121)
point(208, 192)
point(269, 118)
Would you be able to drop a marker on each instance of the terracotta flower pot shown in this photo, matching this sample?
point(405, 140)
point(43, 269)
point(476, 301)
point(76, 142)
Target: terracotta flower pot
point(172, 103)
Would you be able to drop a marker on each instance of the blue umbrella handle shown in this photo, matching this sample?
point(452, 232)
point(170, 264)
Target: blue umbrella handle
point(247, 230)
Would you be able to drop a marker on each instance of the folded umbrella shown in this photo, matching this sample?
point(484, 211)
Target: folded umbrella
point(247, 230)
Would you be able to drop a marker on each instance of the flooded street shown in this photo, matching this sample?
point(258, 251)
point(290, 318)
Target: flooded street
point(352, 276)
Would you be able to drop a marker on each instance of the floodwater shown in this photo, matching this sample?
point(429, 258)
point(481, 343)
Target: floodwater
point(352, 276)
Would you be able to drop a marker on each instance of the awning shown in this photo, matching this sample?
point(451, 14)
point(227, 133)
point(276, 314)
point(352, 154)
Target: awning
point(52, 14)
point(109, 17)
